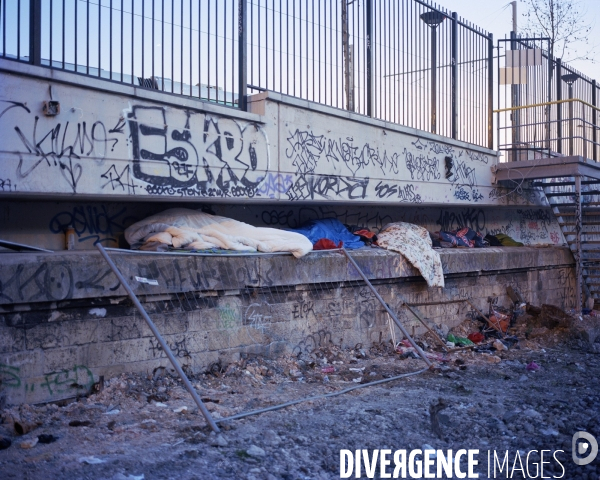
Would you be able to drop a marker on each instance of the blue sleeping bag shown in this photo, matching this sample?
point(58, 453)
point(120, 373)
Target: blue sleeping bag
point(332, 229)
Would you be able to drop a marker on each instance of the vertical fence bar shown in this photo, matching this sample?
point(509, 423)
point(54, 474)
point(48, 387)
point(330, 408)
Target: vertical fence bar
point(369, 59)
point(594, 122)
point(51, 31)
point(571, 111)
point(558, 105)
point(4, 30)
point(224, 56)
point(143, 37)
point(434, 72)
point(172, 46)
point(35, 32)
point(121, 38)
point(216, 51)
point(110, 42)
point(242, 55)
point(181, 46)
point(153, 48)
point(490, 101)
point(132, 42)
point(63, 35)
point(99, 36)
point(454, 76)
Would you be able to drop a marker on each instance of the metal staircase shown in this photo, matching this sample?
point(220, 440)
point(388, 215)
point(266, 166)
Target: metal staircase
point(572, 187)
point(575, 202)
point(548, 121)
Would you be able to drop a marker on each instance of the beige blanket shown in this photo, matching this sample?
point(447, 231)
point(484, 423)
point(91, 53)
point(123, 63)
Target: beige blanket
point(415, 244)
point(196, 230)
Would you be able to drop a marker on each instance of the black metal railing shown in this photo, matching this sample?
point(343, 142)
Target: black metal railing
point(403, 61)
point(545, 107)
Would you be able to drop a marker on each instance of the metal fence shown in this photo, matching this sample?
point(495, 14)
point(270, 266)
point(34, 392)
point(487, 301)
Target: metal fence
point(403, 61)
point(545, 107)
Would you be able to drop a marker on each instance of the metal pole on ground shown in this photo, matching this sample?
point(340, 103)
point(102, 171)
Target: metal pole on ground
point(160, 339)
point(391, 314)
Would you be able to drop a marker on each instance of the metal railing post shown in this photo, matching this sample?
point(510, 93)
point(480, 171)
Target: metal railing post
point(454, 75)
point(370, 45)
point(35, 32)
point(559, 106)
point(160, 339)
point(515, 102)
point(490, 91)
point(242, 55)
point(571, 132)
point(594, 122)
point(387, 308)
point(434, 80)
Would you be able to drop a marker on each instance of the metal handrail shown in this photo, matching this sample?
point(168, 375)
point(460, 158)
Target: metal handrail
point(545, 104)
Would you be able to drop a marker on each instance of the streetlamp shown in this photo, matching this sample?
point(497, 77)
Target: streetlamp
point(433, 19)
point(570, 78)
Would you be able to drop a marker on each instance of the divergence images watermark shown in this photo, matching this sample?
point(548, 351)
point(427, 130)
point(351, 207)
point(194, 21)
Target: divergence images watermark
point(462, 463)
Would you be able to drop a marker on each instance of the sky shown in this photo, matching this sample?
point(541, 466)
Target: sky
point(495, 16)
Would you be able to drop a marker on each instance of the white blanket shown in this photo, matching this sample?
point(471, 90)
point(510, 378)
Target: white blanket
point(196, 230)
point(415, 244)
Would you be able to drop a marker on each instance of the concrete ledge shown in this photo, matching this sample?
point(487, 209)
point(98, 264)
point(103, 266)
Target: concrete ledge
point(65, 320)
point(28, 278)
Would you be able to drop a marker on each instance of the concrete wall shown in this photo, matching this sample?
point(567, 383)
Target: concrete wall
point(116, 154)
point(55, 341)
point(113, 141)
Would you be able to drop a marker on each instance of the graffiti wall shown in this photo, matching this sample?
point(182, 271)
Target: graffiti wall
point(104, 145)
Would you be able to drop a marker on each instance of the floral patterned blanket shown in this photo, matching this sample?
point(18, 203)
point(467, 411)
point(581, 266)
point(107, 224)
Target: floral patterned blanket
point(414, 243)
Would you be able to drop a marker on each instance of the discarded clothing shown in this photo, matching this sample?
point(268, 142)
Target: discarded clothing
point(414, 243)
point(366, 236)
point(506, 241)
point(465, 237)
point(493, 240)
point(437, 242)
point(196, 230)
point(476, 337)
point(326, 244)
point(331, 229)
point(461, 341)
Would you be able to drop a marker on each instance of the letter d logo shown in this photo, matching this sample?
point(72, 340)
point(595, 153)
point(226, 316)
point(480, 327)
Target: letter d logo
point(583, 447)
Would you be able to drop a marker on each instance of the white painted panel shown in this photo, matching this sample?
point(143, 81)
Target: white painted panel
point(524, 58)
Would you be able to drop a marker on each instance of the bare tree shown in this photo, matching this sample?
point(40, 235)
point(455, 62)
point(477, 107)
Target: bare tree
point(563, 21)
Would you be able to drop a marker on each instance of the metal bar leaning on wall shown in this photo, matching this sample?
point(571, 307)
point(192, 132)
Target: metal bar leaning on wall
point(391, 314)
point(161, 340)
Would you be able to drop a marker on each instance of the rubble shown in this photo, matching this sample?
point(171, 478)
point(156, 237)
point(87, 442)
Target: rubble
point(486, 396)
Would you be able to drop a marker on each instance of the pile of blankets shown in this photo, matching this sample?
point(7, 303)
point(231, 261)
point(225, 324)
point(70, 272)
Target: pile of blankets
point(196, 230)
point(415, 244)
point(329, 229)
point(182, 228)
point(469, 238)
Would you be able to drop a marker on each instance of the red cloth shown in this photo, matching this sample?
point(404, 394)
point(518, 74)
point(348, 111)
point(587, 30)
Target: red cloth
point(326, 244)
point(364, 233)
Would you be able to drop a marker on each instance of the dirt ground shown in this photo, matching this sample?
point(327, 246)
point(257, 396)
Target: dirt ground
point(135, 428)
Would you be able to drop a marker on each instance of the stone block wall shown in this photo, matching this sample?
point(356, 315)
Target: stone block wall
point(53, 348)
